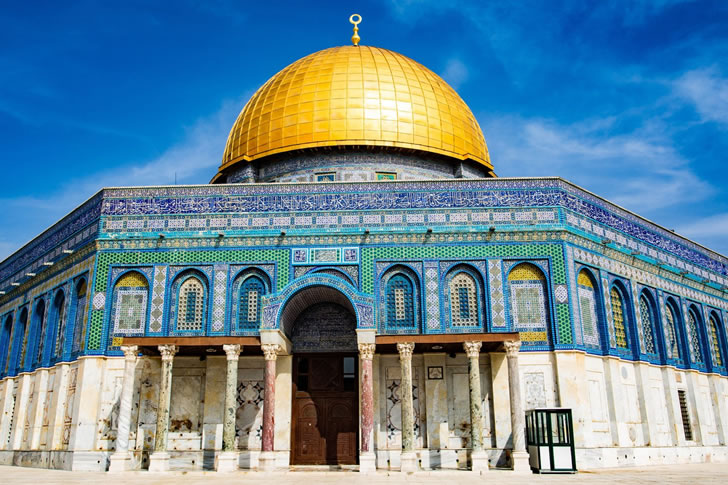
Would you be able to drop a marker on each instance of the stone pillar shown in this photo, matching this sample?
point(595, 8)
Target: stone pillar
point(479, 456)
point(367, 460)
point(227, 461)
point(408, 459)
point(267, 461)
point(159, 459)
point(121, 460)
point(519, 456)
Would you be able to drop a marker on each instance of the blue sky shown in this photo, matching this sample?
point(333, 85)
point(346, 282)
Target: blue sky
point(628, 99)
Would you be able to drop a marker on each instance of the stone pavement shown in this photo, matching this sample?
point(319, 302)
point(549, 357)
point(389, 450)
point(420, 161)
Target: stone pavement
point(696, 474)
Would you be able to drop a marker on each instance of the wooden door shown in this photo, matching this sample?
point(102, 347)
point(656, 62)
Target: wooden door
point(325, 411)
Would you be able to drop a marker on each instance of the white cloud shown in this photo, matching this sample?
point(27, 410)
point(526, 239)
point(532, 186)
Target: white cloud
point(707, 91)
point(715, 226)
point(639, 170)
point(455, 73)
point(194, 159)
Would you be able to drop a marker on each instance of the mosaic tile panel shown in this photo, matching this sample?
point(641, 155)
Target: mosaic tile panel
point(638, 319)
point(159, 286)
point(608, 311)
point(497, 301)
point(432, 295)
point(219, 297)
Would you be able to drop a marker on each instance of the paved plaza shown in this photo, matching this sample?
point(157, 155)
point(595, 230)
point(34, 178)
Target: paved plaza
point(698, 474)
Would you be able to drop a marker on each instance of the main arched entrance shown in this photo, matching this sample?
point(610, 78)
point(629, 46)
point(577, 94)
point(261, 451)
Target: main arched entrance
point(321, 324)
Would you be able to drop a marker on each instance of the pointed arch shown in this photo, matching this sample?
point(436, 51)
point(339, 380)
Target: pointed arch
point(620, 315)
point(249, 288)
point(401, 305)
point(647, 317)
point(189, 312)
point(716, 340)
point(39, 319)
point(672, 336)
point(57, 322)
point(6, 337)
point(588, 295)
point(527, 292)
point(694, 341)
point(19, 341)
point(464, 298)
point(80, 299)
point(129, 304)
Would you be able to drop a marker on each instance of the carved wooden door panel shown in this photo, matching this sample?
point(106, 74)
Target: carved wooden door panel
point(325, 411)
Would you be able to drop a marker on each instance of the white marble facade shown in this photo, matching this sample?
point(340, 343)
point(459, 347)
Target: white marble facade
point(625, 413)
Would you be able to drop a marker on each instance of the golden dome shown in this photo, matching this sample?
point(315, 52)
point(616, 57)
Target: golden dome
point(355, 95)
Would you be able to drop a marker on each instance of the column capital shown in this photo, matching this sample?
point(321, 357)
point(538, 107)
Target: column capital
point(366, 351)
point(472, 349)
point(232, 351)
point(270, 351)
point(167, 352)
point(512, 348)
point(405, 349)
point(130, 352)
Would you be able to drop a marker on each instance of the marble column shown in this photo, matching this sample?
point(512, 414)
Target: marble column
point(159, 459)
point(479, 456)
point(408, 457)
point(227, 461)
point(121, 460)
point(519, 456)
point(367, 461)
point(266, 462)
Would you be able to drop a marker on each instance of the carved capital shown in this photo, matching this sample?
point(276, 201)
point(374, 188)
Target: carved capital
point(167, 352)
point(130, 352)
point(512, 348)
point(405, 350)
point(472, 349)
point(232, 351)
point(270, 351)
point(366, 351)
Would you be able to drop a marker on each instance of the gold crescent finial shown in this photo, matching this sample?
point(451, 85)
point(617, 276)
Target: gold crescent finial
point(355, 20)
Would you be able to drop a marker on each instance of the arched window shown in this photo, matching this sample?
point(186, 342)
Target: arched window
point(79, 317)
point(58, 323)
point(6, 341)
point(40, 331)
point(715, 341)
point(21, 341)
point(464, 291)
point(619, 315)
point(251, 290)
point(586, 288)
point(130, 304)
point(191, 309)
point(400, 307)
point(527, 292)
point(695, 350)
point(648, 321)
point(671, 335)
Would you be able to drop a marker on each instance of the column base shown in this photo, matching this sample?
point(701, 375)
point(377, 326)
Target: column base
point(408, 462)
point(479, 461)
point(367, 462)
point(520, 462)
point(267, 461)
point(159, 461)
point(120, 462)
point(227, 461)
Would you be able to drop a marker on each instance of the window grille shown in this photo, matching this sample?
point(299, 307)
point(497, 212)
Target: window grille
point(588, 309)
point(647, 323)
point(463, 301)
point(191, 305)
point(130, 303)
point(618, 317)
point(687, 429)
point(400, 302)
point(695, 350)
point(249, 303)
point(715, 341)
point(80, 320)
point(672, 331)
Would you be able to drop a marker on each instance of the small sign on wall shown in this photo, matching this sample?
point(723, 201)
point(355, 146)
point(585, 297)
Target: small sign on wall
point(434, 373)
